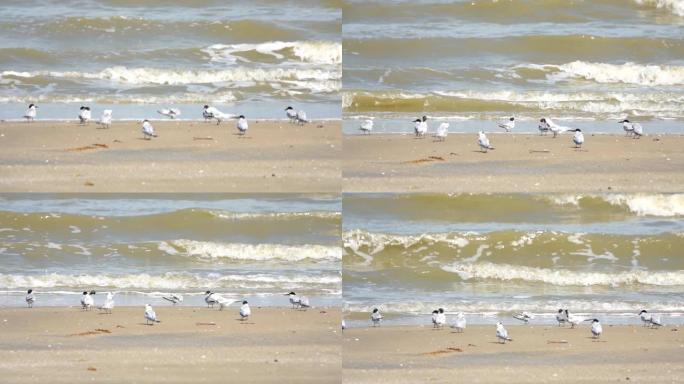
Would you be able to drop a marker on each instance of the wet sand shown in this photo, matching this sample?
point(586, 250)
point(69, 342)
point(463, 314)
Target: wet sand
point(519, 163)
point(66, 345)
point(537, 354)
point(186, 157)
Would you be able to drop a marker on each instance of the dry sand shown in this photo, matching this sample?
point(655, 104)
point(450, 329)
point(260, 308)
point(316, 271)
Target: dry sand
point(68, 157)
point(520, 163)
point(536, 354)
point(66, 345)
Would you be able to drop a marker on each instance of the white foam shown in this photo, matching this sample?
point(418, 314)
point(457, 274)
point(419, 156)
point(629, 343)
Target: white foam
point(674, 6)
point(650, 205)
point(508, 272)
point(317, 52)
point(206, 250)
point(628, 73)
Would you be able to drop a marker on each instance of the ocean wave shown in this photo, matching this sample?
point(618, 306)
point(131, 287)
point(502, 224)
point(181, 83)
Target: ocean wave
point(665, 205)
point(507, 272)
point(316, 52)
point(674, 6)
point(167, 281)
point(275, 215)
point(210, 251)
point(629, 73)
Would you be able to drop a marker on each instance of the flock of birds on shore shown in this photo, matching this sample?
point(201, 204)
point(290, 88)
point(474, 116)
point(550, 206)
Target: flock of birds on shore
point(211, 299)
point(546, 125)
point(563, 317)
point(209, 113)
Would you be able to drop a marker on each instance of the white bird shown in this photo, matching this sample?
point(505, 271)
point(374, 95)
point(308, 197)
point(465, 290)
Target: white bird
point(85, 115)
point(366, 126)
point(148, 130)
point(150, 315)
point(294, 299)
point(301, 118)
point(578, 138)
point(106, 119)
point(596, 329)
point(245, 311)
point(30, 298)
point(30, 113)
point(544, 127)
point(638, 130)
point(553, 127)
point(524, 317)
point(108, 304)
point(650, 319)
point(509, 125)
point(575, 320)
point(655, 321)
point(435, 316)
point(209, 299)
point(460, 324)
point(242, 125)
point(442, 131)
point(291, 114)
point(439, 318)
point(344, 325)
point(502, 333)
point(170, 112)
point(562, 316)
point(376, 317)
point(173, 298)
point(304, 302)
point(213, 113)
point(87, 300)
point(483, 141)
point(213, 298)
point(627, 126)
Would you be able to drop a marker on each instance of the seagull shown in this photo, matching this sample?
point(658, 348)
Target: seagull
point(442, 131)
point(483, 141)
point(596, 329)
point(173, 298)
point(106, 119)
point(524, 317)
point(627, 126)
point(502, 333)
point(562, 316)
point(242, 125)
point(84, 116)
point(578, 138)
point(460, 324)
point(344, 325)
point(213, 113)
point(301, 118)
point(30, 113)
point(366, 126)
point(291, 114)
point(376, 317)
point(169, 112)
point(509, 125)
point(30, 298)
point(150, 315)
point(245, 312)
point(148, 130)
point(108, 304)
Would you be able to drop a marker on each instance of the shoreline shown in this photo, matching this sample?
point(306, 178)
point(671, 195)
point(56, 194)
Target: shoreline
point(68, 345)
point(399, 354)
point(520, 163)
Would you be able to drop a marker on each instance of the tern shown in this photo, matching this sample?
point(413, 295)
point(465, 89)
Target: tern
point(150, 315)
point(543, 127)
point(483, 141)
point(524, 317)
point(627, 126)
point(344, 325)
point(460, 324)
point(30, 113)
point(509, 125)
point(441, 317)
point(546, 123)
point(294, 299)
point(210, 113)
point(172, 113)
point(366, 126)
point(575, 320)
point(376, 317)
point(502, 333)
point(148, 130)
point(85, 115)
point(173, 298)
point(442, 132)
point(30, 298)
point(245, 311)
point(562, 317)
point(87, 300)
point(596, 329)
point(106, 119)
point(420, 126)
point(304, 303)
point(578, 138)
point(291, 114)
point(242, 125)
point(301, 118)
point(650, 319)
point(108, 304)
point(435, 317)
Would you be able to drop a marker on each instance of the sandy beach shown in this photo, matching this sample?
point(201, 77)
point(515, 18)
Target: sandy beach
point(186, 157)
point(536, 354)
point(66, 345)
point(519, 163)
